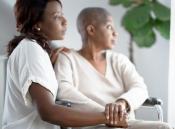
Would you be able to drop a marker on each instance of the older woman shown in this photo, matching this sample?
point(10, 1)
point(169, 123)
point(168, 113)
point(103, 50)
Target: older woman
point(95, 76)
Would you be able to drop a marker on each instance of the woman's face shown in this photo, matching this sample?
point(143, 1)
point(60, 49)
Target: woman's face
point(53, 24)
point(105, 34)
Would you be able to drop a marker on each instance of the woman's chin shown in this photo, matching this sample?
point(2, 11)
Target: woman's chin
point(110, 47)
point(59, 38)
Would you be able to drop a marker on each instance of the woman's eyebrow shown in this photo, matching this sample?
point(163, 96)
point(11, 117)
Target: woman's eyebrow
point(57, 12)
point(53, 12)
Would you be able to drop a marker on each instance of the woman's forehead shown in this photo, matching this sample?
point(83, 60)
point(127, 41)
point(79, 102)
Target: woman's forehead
point(52, 8)
point(109, 19)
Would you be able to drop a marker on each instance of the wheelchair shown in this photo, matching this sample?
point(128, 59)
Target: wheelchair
point(151, 102)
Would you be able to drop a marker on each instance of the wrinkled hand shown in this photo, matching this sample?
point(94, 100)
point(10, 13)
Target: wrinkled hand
point(116, 114)
point(55, 52)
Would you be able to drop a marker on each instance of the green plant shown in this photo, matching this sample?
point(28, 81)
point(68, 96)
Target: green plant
point(141, 20)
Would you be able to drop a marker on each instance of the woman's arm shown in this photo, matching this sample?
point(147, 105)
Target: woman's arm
point(136, 90)
point(60, 115)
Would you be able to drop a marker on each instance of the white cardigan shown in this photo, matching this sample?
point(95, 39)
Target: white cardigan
point(89, 90)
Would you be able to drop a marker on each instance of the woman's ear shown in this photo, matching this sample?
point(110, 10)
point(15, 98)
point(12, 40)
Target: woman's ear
point(90, 29)
point(37, 27)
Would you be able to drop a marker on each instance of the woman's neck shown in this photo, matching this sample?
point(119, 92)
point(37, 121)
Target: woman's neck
point(91, 52)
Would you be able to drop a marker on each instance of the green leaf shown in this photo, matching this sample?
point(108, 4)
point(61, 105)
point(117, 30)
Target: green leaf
point(163, 28)
point(161, 12)
point(115, 2)
point(125, 3)
point(136, 17)
point(148, 2)
point(145, 30)
point(145, 40)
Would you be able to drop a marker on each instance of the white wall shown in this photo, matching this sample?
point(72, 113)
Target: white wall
point(151, 63)
point(171, 98)
point(2, 84)
point(7, 31)
point(7, 24)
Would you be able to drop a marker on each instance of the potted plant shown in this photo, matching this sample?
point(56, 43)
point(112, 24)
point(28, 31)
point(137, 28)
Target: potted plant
point(141, 20)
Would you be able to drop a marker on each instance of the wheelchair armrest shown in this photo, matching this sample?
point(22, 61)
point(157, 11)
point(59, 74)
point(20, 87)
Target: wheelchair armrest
point(64, 103)
point(155, 103)
point(151, 101)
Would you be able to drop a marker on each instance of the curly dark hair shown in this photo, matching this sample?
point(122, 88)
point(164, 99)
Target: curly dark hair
point(28, 13)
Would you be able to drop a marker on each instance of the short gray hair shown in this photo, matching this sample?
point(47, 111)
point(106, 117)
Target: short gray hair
point(91, 16)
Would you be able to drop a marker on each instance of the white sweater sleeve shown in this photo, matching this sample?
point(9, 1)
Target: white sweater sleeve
point(135, 88)
point(68, 90)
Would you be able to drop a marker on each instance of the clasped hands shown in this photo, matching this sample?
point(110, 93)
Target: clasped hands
point(116, 114)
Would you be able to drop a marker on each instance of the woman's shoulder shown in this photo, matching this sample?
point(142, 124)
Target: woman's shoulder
point(71, 56)
point(70, 53)
point(30, 44)
point(119, 59)
point(117, 55)
point(28, 47)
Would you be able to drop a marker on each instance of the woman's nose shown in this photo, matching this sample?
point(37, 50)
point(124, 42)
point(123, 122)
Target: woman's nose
point(64, 21)
point(115, 34)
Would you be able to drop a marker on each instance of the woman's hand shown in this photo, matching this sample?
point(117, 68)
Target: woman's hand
point(55, 52)
point(116, 114)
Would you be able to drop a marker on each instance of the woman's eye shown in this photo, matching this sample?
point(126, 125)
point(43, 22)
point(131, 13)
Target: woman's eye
point(56, 17)
point(109, 27)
